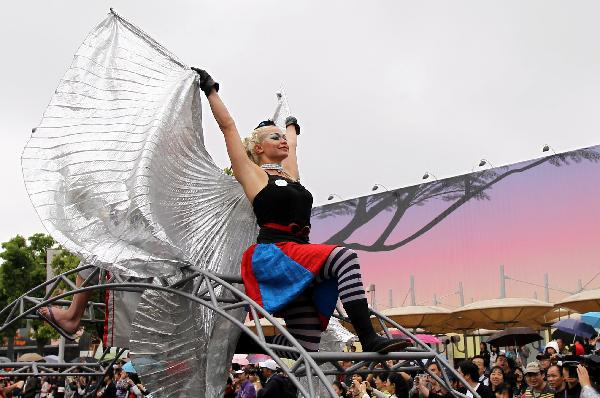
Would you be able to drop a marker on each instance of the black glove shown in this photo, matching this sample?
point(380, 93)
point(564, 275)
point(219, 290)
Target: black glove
point(292, 121)
point(206, 81)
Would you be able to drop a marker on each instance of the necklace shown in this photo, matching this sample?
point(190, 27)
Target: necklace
point(272, 166)
point(278, 168)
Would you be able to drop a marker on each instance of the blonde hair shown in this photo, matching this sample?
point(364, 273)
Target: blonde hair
point(253, 139)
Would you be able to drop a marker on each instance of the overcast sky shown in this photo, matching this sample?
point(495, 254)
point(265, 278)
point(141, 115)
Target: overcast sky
point(384, 90)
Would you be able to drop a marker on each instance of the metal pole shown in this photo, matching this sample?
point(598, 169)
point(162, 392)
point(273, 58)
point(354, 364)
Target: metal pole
point(61, 349)
point(461, 294)
point(390, 299)
point(579, 285)
point(413, 301)
point(546, 288)
point(502, 283)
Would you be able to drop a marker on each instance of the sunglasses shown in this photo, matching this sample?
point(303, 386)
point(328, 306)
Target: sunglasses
point(265, 123)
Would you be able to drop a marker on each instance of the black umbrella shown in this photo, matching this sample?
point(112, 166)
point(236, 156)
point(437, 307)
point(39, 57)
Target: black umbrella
point(517, 336)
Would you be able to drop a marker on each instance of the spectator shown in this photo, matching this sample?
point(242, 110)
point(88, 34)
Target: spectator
point(555, 378)
point(396, 386)
point(380, 390)
point(552, 349)
point(359, 388)
point(255, 379)
point(428, 387)
point(485, 354)
point(109, 389)
point(339, 389)
point(503, 362)
point(520, 385)
point(245, 386)
point(8, 389)
point(587, 391)
point(537, 386)
point(562, 348)
point(470, 373)
point(275, 386)
point(545, 361)
point(479, 361)
point(493, 355)
point(573, 388)
point(496, 378)
point(503, 391)
point(579, 348)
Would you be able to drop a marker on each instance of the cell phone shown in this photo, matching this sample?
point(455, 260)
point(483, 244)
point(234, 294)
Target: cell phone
point(573, 371)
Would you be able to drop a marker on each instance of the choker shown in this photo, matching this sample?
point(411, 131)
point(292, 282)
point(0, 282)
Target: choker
point(272, 166)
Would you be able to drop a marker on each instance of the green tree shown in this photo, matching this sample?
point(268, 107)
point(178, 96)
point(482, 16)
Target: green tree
point(22, 268)
point(64, 261)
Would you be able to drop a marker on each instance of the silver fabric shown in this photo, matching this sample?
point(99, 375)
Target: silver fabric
point(333, 339)
point(282, 111)
point(176, 350)
point(118, 173)
point(117, 169)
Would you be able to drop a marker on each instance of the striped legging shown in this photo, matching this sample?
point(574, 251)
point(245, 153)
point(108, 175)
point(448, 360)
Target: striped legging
point(301, 316)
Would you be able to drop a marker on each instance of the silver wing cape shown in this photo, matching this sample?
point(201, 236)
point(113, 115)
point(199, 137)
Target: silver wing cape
point(118, 173)
point(117, 169)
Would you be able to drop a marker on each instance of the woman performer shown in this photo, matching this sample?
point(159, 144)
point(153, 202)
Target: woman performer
point(284, 272)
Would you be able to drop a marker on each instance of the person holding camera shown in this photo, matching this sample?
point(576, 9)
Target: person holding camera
point(587, 390)
point(573, 388)
point(359, 387)
point(276, 385)
point(245, 387)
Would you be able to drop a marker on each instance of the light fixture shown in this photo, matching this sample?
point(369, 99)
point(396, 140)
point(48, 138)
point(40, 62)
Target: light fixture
point(547, 148)
point(334, 195)
point(376, 187)
point(483, 162)
point(429, 174)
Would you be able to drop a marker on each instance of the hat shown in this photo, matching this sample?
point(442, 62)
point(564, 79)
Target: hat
point(238, 372)
point(269, 364)
point(539, 357)
point(552, 344)
point(533, 367)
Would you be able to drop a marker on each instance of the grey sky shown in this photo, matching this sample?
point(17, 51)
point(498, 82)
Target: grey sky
point(384, 90)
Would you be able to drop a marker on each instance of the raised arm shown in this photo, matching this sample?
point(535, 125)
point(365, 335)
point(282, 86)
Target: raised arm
point(292, 130)
point(245, 171)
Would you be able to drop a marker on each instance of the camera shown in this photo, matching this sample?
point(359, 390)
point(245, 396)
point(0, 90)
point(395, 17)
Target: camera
point(591, 362)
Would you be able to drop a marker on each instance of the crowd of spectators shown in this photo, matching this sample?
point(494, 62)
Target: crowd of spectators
point(120, 381)
point(557, 372)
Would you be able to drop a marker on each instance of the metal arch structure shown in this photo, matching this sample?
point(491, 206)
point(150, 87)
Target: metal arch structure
point(219, 294)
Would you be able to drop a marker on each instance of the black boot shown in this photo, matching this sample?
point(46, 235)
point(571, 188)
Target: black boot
point(358, 312)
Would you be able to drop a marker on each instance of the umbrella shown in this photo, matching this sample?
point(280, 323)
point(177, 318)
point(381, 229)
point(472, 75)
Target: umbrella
point(5, 360)
point(256, 358)
point(84, 360)
point(52, 359)
point(587, 300)
point(240, 359)
point(128, 367)
point(575, 327)
point(592, 319)
point(417, 316)
point(30, 357)
point(425, 338)
point(514, 337)
point(506, 311)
